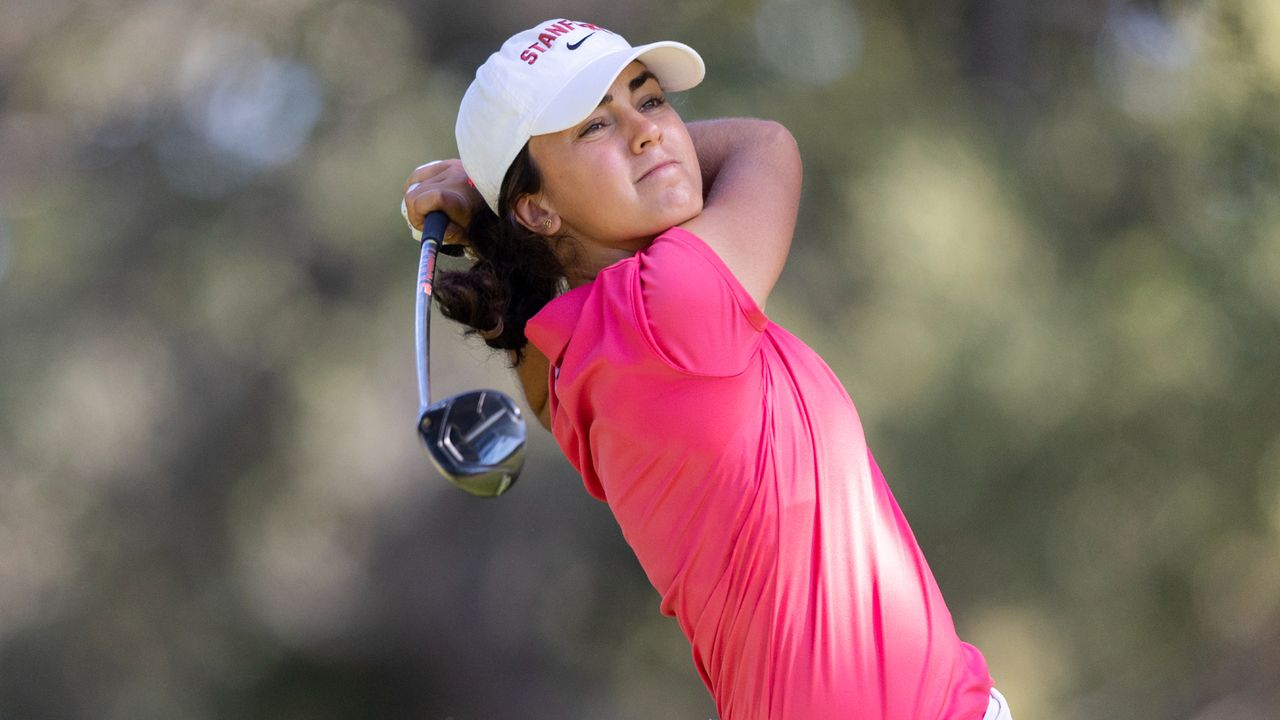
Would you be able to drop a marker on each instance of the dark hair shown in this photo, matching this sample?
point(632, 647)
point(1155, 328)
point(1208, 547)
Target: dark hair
point(515, 272)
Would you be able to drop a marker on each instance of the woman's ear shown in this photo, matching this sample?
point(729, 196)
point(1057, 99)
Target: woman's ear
point(532, 212)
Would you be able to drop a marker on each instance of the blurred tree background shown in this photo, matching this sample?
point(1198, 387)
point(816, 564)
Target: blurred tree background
point(1040, 243)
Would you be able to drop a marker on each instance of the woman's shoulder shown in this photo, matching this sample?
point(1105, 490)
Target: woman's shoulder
point(681, 267)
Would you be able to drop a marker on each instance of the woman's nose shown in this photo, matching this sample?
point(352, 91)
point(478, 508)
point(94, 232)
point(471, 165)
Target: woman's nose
point(643, 131)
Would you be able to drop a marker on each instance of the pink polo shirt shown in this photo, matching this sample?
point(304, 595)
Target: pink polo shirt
point(735, 464)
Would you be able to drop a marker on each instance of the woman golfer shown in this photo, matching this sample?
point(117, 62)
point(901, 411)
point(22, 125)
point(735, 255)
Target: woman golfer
point(624, 259)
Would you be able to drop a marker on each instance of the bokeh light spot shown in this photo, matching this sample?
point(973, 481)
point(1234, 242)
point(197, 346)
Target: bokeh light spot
point(816, 42)
point(257, 107)
point(245, 111)
point(1144, 62)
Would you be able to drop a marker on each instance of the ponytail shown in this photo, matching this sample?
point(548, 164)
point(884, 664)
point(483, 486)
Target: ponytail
point(515, 273)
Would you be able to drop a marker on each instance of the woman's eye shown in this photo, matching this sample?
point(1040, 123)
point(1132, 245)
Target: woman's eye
point(653, 102)
point(591, 127)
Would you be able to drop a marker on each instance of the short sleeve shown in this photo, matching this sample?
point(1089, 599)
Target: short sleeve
point(693, 309)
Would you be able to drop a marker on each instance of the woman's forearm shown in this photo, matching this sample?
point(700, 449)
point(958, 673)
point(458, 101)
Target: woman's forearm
point(752, 173)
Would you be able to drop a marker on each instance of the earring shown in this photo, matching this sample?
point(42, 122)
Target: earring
point(546, 223)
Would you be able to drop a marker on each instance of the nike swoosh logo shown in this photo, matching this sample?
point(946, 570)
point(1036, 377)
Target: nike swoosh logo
point(575, 46)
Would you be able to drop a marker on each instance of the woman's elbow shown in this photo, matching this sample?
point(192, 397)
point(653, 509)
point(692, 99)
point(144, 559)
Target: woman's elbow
point(783, 155)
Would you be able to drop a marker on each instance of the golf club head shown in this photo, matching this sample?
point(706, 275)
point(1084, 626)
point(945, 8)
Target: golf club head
point(476, 440)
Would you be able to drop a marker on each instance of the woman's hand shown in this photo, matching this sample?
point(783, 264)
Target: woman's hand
point(441, 185)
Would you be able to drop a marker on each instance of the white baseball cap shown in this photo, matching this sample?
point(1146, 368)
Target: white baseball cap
point(547, 79)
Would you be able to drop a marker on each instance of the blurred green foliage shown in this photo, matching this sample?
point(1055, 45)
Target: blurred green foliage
point(1040, 243)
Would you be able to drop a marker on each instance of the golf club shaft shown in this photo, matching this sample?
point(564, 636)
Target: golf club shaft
point(433, 227)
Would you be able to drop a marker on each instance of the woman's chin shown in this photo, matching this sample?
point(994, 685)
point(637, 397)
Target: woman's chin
point(680, 208)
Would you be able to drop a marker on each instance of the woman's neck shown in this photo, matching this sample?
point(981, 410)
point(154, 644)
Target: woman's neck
point(589, 258)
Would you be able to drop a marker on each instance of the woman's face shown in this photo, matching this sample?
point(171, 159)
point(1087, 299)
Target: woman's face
point(625, 173)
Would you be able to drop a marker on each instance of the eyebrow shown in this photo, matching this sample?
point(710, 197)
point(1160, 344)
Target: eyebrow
point(644, 77)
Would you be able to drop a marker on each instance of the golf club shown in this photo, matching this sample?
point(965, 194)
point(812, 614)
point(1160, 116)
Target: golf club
point(476, 439)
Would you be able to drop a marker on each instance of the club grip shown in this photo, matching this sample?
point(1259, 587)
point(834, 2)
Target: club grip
point(434, 225)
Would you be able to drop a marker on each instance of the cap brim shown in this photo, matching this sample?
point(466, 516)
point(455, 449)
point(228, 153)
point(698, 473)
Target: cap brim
point(676, 65)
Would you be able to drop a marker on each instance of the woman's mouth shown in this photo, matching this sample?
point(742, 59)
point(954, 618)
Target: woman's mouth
point(659, 168)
